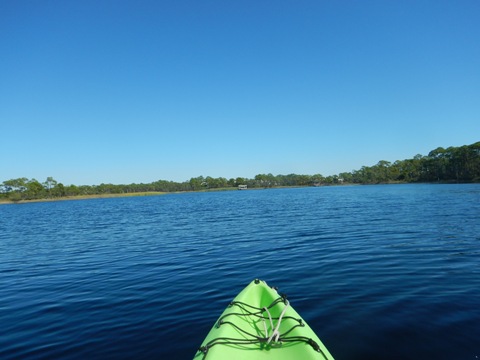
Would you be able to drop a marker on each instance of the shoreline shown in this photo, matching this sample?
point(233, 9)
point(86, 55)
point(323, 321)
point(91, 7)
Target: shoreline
point(84, 197)
point(157, 193)
point(134, 194)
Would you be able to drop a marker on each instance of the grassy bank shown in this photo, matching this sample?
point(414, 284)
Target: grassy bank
point(84, 197)
point(145, 193)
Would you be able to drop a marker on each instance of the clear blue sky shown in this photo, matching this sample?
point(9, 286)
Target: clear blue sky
point(136, 91)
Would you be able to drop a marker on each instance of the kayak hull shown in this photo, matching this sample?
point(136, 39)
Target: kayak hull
point(261, 324)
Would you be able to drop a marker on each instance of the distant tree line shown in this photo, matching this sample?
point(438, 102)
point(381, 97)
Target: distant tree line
point(454, 164)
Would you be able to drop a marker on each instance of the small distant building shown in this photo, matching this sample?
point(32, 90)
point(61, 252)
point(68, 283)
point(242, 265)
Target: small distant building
point(242, 187)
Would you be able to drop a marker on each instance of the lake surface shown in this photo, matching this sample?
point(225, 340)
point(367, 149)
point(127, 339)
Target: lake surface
point(379, 272)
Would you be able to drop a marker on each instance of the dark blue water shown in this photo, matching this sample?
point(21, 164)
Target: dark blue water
point(379, 272)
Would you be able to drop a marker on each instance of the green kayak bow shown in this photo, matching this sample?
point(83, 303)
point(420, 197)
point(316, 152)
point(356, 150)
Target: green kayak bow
point(261, 324)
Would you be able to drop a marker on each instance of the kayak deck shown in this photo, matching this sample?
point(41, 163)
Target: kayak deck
point(261, 324)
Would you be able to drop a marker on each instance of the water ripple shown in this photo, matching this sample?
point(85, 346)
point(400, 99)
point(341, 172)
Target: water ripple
point(371, 269)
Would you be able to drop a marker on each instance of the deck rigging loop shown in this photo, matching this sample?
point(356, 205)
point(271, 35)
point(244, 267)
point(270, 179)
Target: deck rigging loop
point(275, 335)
